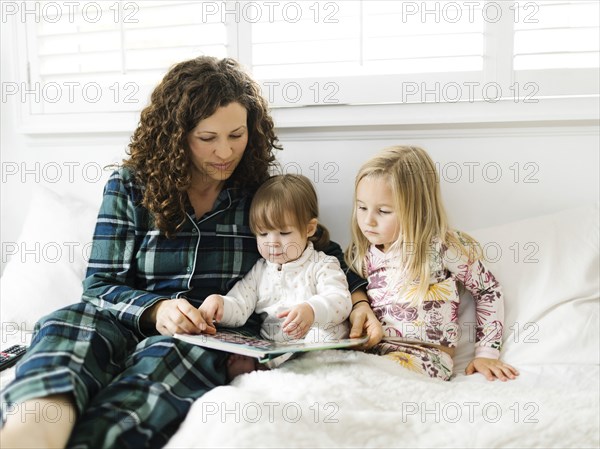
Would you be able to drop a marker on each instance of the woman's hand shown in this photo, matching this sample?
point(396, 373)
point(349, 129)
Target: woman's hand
point(492, 369)
point(298, 320)
point(172, 316)
point(364, 321)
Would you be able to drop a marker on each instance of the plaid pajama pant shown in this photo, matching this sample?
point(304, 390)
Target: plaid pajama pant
point(129, 391)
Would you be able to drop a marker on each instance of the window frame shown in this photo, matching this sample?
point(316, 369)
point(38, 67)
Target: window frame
point(367, 106)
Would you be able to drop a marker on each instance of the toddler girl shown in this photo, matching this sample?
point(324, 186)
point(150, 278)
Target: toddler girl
point(402, 244)
point(300, 290)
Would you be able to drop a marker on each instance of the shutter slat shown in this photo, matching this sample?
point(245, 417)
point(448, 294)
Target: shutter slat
point(151, 38)
point(557, 35)
point(369, 37)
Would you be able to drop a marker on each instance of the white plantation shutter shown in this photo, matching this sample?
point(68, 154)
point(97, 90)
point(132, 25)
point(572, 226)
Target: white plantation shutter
point(365, 37)
point(556, 46)
point(107, 56)
point(552, 35)
point(104, 58)
point(365, 51)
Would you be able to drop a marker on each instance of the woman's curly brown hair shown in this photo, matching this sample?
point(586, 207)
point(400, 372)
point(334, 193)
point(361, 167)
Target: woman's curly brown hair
point(159, 154)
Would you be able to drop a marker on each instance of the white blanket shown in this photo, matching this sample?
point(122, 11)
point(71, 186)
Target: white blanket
point(352, 399)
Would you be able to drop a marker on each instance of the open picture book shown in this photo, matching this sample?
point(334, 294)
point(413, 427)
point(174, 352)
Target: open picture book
point(230, 340)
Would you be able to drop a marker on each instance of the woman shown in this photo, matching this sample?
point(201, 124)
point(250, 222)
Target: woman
point(172, 229)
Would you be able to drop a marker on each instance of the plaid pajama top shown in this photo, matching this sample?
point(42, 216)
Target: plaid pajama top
point(133, 265)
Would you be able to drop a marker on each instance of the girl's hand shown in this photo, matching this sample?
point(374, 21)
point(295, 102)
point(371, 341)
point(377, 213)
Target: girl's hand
point(177, 316)
point(363, 320)
point(492, 369)
point(212, 310)
point(299, 320)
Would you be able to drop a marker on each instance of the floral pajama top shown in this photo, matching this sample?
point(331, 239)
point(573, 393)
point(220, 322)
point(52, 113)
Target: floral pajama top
point(435, 320)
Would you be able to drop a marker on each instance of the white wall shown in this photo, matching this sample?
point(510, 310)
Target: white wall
point(562, 170)
point(557, 169)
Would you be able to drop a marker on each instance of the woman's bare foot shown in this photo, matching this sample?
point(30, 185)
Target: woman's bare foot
point(49, 428)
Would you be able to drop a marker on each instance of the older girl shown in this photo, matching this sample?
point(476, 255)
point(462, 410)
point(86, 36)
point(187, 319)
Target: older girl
point(402, 244)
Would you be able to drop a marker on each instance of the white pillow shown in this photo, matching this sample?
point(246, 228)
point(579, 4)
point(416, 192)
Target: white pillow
point(549, 271)
point(48, 261)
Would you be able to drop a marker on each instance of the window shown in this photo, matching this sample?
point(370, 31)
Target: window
point(103, 56)
point(556, 46)
point(99, 61)
point(366, 52)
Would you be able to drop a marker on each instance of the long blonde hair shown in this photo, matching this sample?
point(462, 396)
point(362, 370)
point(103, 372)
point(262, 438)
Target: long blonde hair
point(414, 182)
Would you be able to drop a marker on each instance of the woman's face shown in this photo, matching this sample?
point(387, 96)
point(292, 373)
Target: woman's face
point(217, 143)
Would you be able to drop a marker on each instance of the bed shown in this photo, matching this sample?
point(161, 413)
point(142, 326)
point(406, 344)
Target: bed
point(549, 269)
